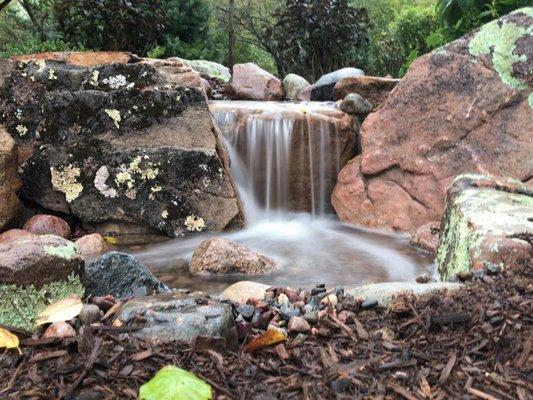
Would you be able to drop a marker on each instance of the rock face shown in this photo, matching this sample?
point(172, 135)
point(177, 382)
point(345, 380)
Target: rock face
point(42, 224)
point(374, 89)
point(250, 82)
point(9, 179)
point(427, 237)
point(181, 317)
point(120, 275)
point(488, 223)
point(466, 107)
point(38, 260)
point(322, 90)
point(222, 256)
point(121, 143)
point(294, 84)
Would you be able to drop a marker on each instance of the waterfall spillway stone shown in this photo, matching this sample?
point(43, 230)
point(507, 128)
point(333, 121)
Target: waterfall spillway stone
point(286, 156)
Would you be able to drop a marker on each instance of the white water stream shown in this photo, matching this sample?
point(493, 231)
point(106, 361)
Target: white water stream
point(309, 247)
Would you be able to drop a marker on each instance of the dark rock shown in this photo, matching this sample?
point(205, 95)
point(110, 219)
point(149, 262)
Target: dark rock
point(423, 278)
point(355, 104)
point(369, 303)
point(120, 275)
point(287, 312)
point(246, 311)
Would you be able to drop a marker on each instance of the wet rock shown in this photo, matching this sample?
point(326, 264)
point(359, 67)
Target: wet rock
point(90, 245)
point(222, 256)
point(355, 104)
point(423, 278)
point(487, 226)
point(298, 325)
point(182, 317)
point(241, 291)
point(382, 293)
point(250, 82)
point(120, 275)
point(60, 330)
point(294, 84)
point(90, 313)
point(14, 235)
point(126, 143)
point(10, 205)
point(42, 224)
point(427, 237)
point(374, 89)
point(435, 126)
point(38, 260)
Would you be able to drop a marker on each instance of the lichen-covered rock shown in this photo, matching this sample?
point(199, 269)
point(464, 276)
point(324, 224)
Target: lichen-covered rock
point(250, 82)
point(373, 88)
point(210, 69)
point(38, 260)
point(294, 84)
point(42, 224)
point(464, 108)
point(488, 222)
point(355, 104)
point(81, 58)
point(223, 256)
point(120, 275)
point(427, 237)
point(181, 317)
point(131, 143)
point(10, 205)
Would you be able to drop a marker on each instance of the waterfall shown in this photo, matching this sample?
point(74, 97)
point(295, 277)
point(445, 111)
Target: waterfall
point(285, 156)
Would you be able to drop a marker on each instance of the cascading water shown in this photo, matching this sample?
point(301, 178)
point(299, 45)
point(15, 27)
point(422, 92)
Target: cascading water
point(285, 158)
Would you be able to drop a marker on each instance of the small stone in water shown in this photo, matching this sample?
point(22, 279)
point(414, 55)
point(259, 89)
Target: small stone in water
point(299, 325)
point(423, 278)
point(369, 303)
point(90, 314)
point(246, 311)
point(60, 330)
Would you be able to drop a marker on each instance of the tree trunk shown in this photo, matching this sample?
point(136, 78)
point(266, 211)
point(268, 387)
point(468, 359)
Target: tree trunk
point(231, 35)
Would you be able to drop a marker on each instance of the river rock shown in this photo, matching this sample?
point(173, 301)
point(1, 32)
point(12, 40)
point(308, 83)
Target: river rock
point(322, 90)
point(241, 291)
point(373, 88)
point(463, 108)
point(222, 256)
point(355, 104)
point(10, 205)
point(488, 223)
point(39, 260)
point(120, 275)
point(427, 237)
point(14, 235)
point(90, 245)
point(181, 317)
point(293, 85)
point(42, 224)
point(250, 82)
point(123, 143)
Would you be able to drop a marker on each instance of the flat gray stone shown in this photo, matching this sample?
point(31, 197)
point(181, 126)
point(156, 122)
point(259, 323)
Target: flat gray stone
point(181, 317)
point(383, 292)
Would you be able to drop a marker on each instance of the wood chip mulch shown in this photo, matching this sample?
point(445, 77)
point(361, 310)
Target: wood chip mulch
point(472, 344)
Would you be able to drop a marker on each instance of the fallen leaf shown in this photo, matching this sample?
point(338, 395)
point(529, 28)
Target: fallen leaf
point(270, 337)
point(177, 384)
point(63, 310)
point(8, 340)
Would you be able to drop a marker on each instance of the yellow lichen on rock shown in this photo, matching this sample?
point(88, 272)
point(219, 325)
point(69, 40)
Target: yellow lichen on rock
point(194, 223)
point(65, 181)
point(115, 116)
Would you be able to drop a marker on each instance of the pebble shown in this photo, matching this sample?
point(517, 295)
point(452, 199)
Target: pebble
point(283, 299)
point(423, 278)
point(317, 290)
point(60, 330)
point(311, 317)
point(330, 300)
point(346, 317)
point(246, 311)
point(90, 314)
point(299, 325)
point(287, 312)
point(369, 303)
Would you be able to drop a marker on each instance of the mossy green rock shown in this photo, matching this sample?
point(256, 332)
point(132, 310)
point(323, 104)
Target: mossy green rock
point(488, 222)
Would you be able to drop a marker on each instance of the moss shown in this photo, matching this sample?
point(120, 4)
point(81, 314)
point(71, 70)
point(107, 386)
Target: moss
point(67, 252)
point(20, 306)
point(500, 40)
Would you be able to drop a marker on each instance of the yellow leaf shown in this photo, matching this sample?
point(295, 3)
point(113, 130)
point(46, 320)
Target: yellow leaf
point(270, 337)
point(8, 340)
point(63, 310)
point(110, 240)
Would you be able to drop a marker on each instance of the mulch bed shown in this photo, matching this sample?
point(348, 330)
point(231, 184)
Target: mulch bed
point(472, 344)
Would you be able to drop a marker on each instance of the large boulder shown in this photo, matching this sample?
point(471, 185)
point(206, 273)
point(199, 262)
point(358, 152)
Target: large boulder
point(322, 90)
point(373, 88)
point(250, 82)
point(223, 256)
point(121, 143)
point(488, 224)
point(209, 69)
point(294, 84)
point(182, 317)
point(466, 107)
point(38, 260)
point(120, 275)
point(10, 205)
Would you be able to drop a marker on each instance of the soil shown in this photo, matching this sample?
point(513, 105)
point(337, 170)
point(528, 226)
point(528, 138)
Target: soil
point(471, 344)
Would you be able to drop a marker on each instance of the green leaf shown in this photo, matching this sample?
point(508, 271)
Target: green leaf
point(173, 383)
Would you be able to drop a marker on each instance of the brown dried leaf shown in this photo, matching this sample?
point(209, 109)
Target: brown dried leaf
point(270, 337)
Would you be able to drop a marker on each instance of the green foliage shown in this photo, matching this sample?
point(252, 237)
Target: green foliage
point(311, 37)
point(174, 383)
